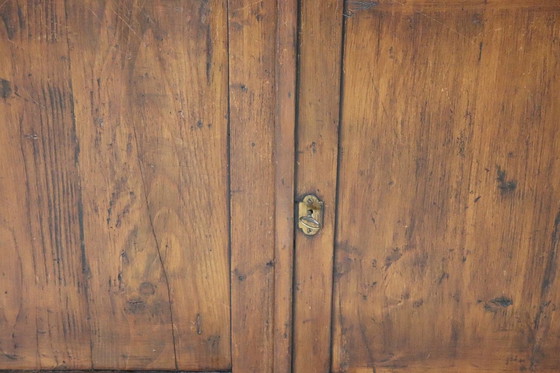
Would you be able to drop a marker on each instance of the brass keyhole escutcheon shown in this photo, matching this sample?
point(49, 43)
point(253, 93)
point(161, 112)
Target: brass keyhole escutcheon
point(310, 215)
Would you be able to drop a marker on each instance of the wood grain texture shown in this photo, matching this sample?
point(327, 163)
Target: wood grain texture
point(317, 142)
point(43, 305)
point(253, 179)
point(408, 6)
point(284, 154)
point(107, 371)
point(117, 121)
point(449, 203)
point(262, 77)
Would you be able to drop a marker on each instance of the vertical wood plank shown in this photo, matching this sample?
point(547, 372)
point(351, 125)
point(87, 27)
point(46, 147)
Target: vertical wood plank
point(43, 305)
point(123, 261)
point(252, 38)
point(284, 154)
point(18, 287)
point(114, 220)
point(151, 102)
point(317, 142)
point(262, 46)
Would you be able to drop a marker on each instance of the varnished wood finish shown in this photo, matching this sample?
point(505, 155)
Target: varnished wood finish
point(262, 45)
point(253, 179)
point(149, 169)
point(446, 5)
point(44, 308)
point(114, 221)
point(284, 154)
point(106, 371)
point(317, 135)
point(449, 201)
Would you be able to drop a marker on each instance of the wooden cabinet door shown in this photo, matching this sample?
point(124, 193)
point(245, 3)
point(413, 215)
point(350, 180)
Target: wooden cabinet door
point(114, 188)
point(150, 161)
point(446, 222)
point(146, 184)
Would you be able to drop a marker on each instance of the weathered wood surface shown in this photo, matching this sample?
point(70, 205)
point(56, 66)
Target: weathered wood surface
point(317, 142)
point(114, 220)
point(116, 193)
point(449, 196)
point(107, 371)
point(253, 181)
point(284, 156)
point(413, 6)
point(262, 44)
point(44, 309)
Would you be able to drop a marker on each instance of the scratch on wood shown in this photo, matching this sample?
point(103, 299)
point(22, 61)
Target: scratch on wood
point(537, 334)
point(127, 24)
point(94, 14)
point(539, 330)
point(4, 3)
point(158, 249)
point(550, 270)
point(198, 324)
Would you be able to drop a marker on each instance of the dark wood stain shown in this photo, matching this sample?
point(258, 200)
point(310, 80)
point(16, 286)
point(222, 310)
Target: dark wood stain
point(495, 304)
point(504, 185)
point(5, 88)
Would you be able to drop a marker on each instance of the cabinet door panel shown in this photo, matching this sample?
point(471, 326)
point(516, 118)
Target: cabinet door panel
point(317, 135)
point(448, 199)
point(114, 226)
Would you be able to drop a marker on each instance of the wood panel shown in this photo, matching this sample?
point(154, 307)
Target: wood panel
point(316, 171)
point(284, 154)
point(262, 78)
point(105, 371)
point(117, 131)
point(413, 6)
point(43, 305)
point(449, 203)
point(252, 175)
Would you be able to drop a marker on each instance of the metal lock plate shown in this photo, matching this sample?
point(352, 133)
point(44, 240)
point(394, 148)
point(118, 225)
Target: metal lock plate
point(310, 215)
